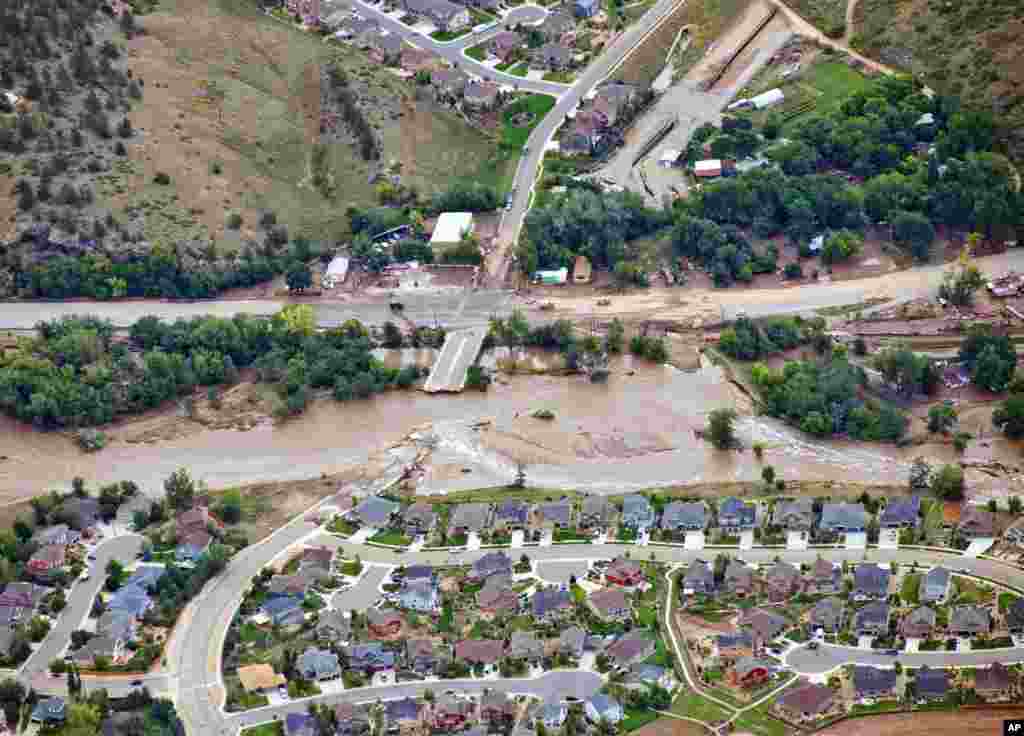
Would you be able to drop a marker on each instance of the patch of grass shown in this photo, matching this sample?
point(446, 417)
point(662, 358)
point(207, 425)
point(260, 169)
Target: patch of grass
point(911, 588)
point(1005, 601)
point(391, 536)
point(883, 706)
point(692, 704)
point(635, 718)
point(830, 82)
point(519, 70)
point(827, 15)
point(757, 721)
point(479, 17)
point(266, 729)
point(477, 52)
point(445, 36)
point(563, 77)
point(495, 494)
point(537, 106)
point(342, 526)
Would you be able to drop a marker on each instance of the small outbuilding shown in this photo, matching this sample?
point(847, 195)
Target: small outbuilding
point(581, 270)
point(767, 99)
point(451, 227)
point(551, 278)
point(707, 169)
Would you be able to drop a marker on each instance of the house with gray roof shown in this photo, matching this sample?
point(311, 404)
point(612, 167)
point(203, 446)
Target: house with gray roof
point(333, 626)
point(825, 577)
point(765, 624)
point(641, 676)
point(571, 641)
point(735, 516)
point(510, 515)
point(318, 664)
point(526, 646)
point(782, 580)
point(492, 563)
point(555, 513)
point(556, 25)
point(57, 534)
point(1015, 616)
point(919, 623)
point(370, 657)
point(828, 614)
point(445, 15)
point(872, 619)
point(553, 55)
point(637, 512)
point(807, 702)
point(699, 578)
point(901, 513)
point(419, 518)
point(480, 95)
point(551, 604)
point(630, 649)
point(931, 683)
point(376, 512)
point(935, 585)
point(739, 579)
point(284, 611)
point(734, 645)
point(419, 595)
point(969, 621)
point(680, 516)
point(842, 518)
point(424, 656)
point(469, 518)
point(794, 516)
point(874, 682)
point(601, 707)
point(870, 582)
point(595, 512)
point(611, 604)
point(976, 523)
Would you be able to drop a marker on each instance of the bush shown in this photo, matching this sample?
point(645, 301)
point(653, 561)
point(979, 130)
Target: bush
point(721, 428)
point(793, 271)
point(545, 414)
point(234, 221)
point(162, 179)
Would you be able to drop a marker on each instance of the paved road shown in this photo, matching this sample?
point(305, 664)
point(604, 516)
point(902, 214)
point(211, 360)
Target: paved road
point(460, 351)
point(827, 658)
point(558, 684)
point(364, 593)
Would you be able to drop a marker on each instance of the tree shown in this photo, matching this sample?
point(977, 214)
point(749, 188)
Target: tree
point(721, 428)
point(615, 337)
point(1009, 417)
point(993, 369)
point(180, 490)
point(1015, 505)
point(768, 474)
point(941, 418)
point(913, 232)
point(948, 483)
point(26, 195)
point(962, 280)
point(299, 277)
point(297, 319)
point(841, 246)
point(230, 509)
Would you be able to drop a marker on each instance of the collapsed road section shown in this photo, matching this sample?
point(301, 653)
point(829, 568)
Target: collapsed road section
point(458, 353)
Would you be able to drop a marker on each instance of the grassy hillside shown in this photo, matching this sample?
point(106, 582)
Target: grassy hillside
point(973, 48)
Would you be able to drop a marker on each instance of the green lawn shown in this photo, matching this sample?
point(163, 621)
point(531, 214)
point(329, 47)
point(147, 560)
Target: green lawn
point(571, 535)
point(693, 705)
point(910, 588)
point(520, 70)
point(477, 52)
point(503, 66)
point(478, 17)
point(832, 82)
point(445, 36)
point(647, 615)
point(884, 706)
point(757, 721)
point(636, 718)
point(392, 537)
point(563, 77)
point(579, 594)
point(539, 105)
point(1005, 601)
point(266, 729)
point(342, 526)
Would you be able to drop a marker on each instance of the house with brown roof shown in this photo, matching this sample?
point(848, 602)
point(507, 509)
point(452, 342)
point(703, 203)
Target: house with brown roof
point(764, 624)
point(805, 703)
point(316, 561)
point(630, 649)
point(825, 577)
point(497, 709)
point(976, 523)
point(197, 518)
point(610, 605)
point(424, 656)
point(969, 621)
point(739, 579)
point(420, 517)
point(486, 652)
point(497, 597)
point(383, 624)
point(995, 683)
point(506, 44)
point(624, 572)
point(782, 580)
point(259, 678)
point(451, 713)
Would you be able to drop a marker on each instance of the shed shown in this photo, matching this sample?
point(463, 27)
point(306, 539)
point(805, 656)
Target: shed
point(668, 158)
point(767, 99)
point(708, 168)
point(451, 227)
point(581, 270)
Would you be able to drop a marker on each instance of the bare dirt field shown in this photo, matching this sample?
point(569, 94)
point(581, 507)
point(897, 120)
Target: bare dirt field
point(984, 722)
point(671, 727)
point(729, 38)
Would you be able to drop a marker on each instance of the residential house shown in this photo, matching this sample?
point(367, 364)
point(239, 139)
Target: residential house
point(480, 95)
point(699, 579)
point(98, 647)
point(919, 623)
point(624, 572)
point(870, 582)
point(10, 616)
point(680, 517)
point(384, 623)
point(353, 720)
point(318, 665)
point(60, 534)
point(805, 703)
point(901, 513)
point(423, 657)
point(582, 135)
point(571, 641)
point(49, 712)
point(130, 599)
point(505, 44)
point(735, 516)
point(556, 514)
point(333, 626)
point(976, 523)
point(551, 604)
point(443, 14)
point(764, 624)
point(749, 672)
point(730, 647)
point(557, 25)
point(595, 512)
point(994, 683)
point(874, 682)
point(553, 55)
point(370, 657)
point(451, 713)
point(23, 595)
point(420, 517)
point(196, 519)
point(486, 652)
point(935, 586)
point(308, 11)
point(794, 516)
point(739, 579)
point(497, 597)
point(872, 619)
point(782, 580)
point(192, 545)
point(316, 561)
point(81, 512)
point(376, 512)
point(641, 676)
point(402, 714)
point(145, 576)
point(612, 100)
point(293, 586)
point(610, 605)
point(524, 645)
point(601, 707)
point(828, 614)
point(931, 683)
point(842, 518)
point(492, 563)
point(469, 518)
point(510, 515)
point(553, 714)
point(300, 724)
point(637, 512)
point(47, 560)
point(585, 8)
point(497, 709)
point(825, 577)
point(283, 611)
point(259, 678)
point(418, 572)
point(630, 649)
point(419, 595)
point(969, 621)
point(1015, 616)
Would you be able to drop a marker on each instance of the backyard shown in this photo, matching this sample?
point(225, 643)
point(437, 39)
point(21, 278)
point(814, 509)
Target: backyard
point(521, 117)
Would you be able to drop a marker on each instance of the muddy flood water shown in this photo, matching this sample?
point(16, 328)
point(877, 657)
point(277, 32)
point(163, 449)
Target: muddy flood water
point(635, 431)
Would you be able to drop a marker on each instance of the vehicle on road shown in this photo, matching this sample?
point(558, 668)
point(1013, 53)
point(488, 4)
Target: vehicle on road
point(282, 691)
point(508, 202)
point(136, 683)
point(812, 645)
point(892, 652)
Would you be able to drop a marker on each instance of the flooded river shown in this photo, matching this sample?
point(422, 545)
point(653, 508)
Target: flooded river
point(634, 431)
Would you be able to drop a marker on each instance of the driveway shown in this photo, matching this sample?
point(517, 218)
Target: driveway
point(560, 572)
point(473, 542)
point(912, 645)
point(517, 539)
point(747, 539)
point(547, 538)
point(362, 534)
point(889, 538)
point(363, 594)
point(796, 541)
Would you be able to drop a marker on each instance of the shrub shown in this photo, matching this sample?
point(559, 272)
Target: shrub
point(234, 221)
point(162, 179)
point(546, 414)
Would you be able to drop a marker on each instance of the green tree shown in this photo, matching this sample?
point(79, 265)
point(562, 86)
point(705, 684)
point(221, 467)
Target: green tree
point(230, 508)
point(615, 337)
point(180, 490)
point(913, 232)
point(962, 280)
point(841, 246)
point(948, 483)
point(941, 418)
point(299, 277)
point(721, 428)
point(993, 370)
point(1009, 416)
point(1015, 505)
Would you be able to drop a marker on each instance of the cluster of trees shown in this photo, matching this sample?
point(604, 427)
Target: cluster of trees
point(722, 249)
point(466, 196)
point(74, 374)
point(581, 222)
point(909, 372)
point(749, 340)
point(990, 358)
point(352, 115)
point(824, 399)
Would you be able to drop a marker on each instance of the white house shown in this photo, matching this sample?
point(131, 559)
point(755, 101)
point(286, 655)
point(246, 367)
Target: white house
point(451, 227)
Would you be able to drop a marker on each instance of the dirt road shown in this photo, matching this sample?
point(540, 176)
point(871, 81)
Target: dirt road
point(805, 28)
